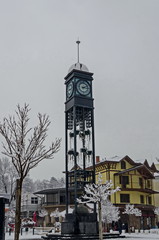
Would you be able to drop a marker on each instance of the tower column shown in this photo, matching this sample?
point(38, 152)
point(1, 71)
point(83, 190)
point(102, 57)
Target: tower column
point(75, 158)
point(66, 160)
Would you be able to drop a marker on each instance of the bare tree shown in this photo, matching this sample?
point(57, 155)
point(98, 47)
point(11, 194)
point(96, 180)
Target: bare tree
point(28, 185)
point(131, 210)
point(26, 148)
point(110, 213)
point(8, 176)
point(156, 211)
point(52, 183)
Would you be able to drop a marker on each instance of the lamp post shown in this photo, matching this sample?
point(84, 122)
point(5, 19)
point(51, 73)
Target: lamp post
point(3, 201)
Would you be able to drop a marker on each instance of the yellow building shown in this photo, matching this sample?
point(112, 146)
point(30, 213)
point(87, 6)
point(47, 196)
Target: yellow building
point(156, 185)
point(136, 183)
point(156, 188)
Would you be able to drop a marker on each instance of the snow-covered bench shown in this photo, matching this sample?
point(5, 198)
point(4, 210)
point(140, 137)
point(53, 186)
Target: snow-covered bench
point(154, 230)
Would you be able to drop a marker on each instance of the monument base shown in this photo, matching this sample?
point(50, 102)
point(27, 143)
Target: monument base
point(83, 223)
point(82, 228)
point(81, 236)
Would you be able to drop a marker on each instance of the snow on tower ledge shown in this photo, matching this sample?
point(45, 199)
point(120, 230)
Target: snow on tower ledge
point(78, 66)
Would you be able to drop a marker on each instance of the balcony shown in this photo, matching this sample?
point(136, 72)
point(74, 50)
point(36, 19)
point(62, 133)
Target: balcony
point(145, 190)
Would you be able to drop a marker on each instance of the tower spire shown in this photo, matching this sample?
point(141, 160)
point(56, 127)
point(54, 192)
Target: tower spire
point(78, 43)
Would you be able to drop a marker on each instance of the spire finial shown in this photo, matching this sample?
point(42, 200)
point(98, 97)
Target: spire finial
point(78, 42)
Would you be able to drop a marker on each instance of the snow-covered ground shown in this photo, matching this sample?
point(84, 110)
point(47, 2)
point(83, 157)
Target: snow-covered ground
point(131, 236)
point(139, 236)
point(25, 235)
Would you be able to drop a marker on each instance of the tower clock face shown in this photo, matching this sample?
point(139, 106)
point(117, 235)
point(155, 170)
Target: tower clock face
point(69, 89)
point(83, 88)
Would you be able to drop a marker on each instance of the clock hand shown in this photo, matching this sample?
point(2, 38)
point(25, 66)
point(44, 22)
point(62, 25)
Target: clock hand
point(84, 87)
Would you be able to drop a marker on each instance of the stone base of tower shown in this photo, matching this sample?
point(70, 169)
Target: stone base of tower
point(84, 223)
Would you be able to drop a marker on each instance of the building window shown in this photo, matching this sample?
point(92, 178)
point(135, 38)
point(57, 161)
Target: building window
point(62, 199)
point(34, 200)
point(141, 199)
point(141, 182)
point(124, 198)
point(124, 180)
point(148, 184)
point(52, 198)
point(149, 200)
point(123, 165)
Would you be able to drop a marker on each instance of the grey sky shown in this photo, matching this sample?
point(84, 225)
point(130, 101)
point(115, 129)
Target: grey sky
point(120, 44)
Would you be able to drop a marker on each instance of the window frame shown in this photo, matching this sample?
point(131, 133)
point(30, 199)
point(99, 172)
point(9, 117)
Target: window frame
point(34, 200)
point(142, 199)
point(123, 164)
point(141, 183)
point(123, 198)
point(149, 200)
point(124, 180)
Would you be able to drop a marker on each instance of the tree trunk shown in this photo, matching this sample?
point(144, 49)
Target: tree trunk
point(18, 209)
point(100, 221)
point(129, 223)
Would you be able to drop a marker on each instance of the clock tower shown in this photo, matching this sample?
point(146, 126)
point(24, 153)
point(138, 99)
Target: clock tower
point(79, 143)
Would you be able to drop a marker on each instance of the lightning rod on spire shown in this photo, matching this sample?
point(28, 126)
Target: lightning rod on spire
point(78, 43)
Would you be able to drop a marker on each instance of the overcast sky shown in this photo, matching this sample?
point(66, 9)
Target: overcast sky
point(119, 44)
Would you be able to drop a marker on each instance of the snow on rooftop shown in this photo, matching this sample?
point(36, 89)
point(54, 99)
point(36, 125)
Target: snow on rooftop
point(157, 166)
point(156, 174)
point(119, 158)
point(140, 161)
point(114, 158)
point(5, 195)
point(156, 162)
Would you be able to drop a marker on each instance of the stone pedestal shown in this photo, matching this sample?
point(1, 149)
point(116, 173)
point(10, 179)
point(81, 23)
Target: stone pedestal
point(81, 223)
